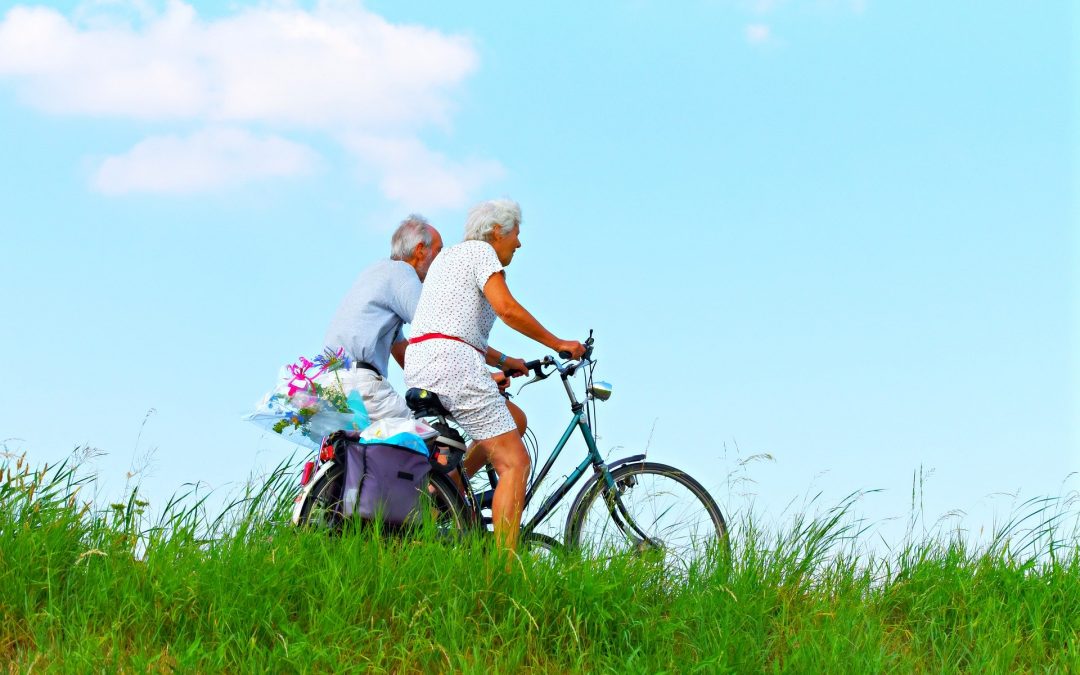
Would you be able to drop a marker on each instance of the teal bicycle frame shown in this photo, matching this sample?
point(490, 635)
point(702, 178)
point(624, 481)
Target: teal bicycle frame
point(593, 459)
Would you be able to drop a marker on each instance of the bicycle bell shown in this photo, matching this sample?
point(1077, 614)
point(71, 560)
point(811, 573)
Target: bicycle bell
point(601, 391)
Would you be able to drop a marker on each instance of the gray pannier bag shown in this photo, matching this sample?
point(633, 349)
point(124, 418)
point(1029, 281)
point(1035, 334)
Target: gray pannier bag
point(383, 478)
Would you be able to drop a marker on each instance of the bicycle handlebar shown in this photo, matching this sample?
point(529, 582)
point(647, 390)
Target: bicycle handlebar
point(566, 369)
point(588, 349)
point(536, 366)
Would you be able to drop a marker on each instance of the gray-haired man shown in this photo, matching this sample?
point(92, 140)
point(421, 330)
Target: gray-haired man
point(369, 319)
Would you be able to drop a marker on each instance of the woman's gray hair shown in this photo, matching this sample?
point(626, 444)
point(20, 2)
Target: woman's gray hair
point(486, 215)
point(413, 230)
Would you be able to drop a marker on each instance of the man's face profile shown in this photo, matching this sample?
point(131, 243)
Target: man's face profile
point(430, 253)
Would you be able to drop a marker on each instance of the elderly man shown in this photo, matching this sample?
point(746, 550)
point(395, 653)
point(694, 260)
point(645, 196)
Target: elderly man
point(369, 319)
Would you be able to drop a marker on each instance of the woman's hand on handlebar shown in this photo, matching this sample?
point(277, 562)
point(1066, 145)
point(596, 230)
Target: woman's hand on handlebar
point(501, 380)
point(515, 367)
point(510, 366)
point(570, 349)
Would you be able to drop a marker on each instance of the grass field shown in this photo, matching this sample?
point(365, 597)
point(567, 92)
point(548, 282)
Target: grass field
point(83, 589)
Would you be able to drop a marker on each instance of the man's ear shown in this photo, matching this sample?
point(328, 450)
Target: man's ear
point(418, 252)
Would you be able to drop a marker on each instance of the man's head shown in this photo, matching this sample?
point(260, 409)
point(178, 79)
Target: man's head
point(417, 243)
point(497, 222)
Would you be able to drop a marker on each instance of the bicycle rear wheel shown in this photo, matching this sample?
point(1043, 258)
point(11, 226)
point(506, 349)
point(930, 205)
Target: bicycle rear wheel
point(322, 509)
point(676, 515)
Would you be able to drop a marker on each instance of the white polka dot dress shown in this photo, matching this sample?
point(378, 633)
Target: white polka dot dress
point(452, 302)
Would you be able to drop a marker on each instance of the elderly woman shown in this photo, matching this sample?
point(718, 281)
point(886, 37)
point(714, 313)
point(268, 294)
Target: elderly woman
point(448, 354)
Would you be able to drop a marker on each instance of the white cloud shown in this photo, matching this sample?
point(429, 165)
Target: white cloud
point(414, 175)
point(336, 69)
point(206, 160)
point(335, 65)
point(758, 33)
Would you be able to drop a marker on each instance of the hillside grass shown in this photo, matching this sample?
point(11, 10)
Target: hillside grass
point(106, 590)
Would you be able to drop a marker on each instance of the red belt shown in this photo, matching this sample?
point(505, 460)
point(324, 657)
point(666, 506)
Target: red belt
point(440, 336)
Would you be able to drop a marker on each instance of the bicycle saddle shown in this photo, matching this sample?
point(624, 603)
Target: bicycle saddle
point(424, 403)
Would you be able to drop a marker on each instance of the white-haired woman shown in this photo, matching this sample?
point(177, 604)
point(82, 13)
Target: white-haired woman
point(448, 353)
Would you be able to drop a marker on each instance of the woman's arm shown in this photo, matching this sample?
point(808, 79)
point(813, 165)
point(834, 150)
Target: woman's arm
point(517, 317)
point(505, 362)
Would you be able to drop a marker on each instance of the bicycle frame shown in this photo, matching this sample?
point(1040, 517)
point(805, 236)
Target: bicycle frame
point(593, 458)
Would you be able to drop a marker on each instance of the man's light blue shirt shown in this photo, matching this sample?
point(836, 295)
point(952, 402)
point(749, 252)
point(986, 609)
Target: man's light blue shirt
point(369, 319)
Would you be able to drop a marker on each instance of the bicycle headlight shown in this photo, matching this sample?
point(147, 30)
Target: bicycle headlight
point(601, 391)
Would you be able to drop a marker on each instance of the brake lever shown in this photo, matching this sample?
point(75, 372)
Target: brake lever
point(539, 375)
point(536, 378)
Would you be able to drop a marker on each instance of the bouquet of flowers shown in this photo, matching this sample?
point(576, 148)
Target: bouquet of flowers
point(303, 410)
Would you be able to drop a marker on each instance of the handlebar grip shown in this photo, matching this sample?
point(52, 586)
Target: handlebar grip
point(534, 365)
point(564, 355)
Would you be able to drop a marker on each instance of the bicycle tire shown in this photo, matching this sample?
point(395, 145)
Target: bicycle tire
point(322, 508)
point(672, 508)
point(542, 545)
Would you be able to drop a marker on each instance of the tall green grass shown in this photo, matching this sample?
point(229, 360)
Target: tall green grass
point(87, 589)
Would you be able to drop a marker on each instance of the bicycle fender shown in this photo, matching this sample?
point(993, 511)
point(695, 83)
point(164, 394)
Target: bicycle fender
point(306, 492)
point(632, 459)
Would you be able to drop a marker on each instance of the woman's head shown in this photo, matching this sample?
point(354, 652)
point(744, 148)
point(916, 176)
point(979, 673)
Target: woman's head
point(485, 216)
point(497, 222)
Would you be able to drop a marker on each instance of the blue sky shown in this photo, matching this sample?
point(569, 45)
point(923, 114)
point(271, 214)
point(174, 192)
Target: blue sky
point(840, 233)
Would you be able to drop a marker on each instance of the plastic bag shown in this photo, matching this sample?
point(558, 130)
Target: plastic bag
point(303, 411)
point(404, 432)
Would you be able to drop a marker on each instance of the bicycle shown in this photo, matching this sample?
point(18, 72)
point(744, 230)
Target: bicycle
point(629, 504)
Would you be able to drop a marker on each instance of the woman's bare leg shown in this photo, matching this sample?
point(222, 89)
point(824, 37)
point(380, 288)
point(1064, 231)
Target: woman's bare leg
point(507, 454)
point(476, 457)
point(520, 419)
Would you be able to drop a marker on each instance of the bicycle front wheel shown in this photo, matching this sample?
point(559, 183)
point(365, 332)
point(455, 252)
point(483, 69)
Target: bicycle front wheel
point(654, 507)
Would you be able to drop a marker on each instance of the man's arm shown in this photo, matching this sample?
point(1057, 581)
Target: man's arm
point(406, 294)
point(397, 350)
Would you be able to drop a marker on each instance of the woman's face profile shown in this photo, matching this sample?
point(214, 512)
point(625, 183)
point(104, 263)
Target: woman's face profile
point(506, 244)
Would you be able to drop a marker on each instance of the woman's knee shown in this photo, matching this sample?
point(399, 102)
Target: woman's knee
point(507, 453)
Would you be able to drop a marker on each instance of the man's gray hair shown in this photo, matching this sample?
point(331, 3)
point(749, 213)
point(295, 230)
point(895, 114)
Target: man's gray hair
point(413, 230)
point(486, 215)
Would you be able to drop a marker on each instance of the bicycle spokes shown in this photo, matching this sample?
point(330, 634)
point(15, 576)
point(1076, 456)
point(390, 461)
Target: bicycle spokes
point(650, 509)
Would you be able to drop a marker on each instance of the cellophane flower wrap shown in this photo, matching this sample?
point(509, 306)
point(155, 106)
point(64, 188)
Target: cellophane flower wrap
point(303, 410)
